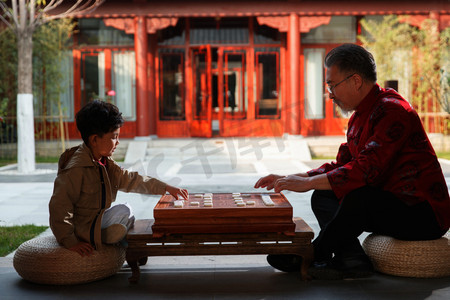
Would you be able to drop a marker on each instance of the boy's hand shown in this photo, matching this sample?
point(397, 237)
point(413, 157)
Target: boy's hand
point(174, 191)
point(83, 248)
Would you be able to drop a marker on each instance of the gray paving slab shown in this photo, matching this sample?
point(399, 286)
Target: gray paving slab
point(24, 200)
point(229, 277)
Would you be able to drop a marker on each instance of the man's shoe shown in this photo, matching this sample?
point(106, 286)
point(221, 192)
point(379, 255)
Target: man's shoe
point(337, 269)
point(354, 267)
point(323, 271)
point(114, 234)
point(285, 262)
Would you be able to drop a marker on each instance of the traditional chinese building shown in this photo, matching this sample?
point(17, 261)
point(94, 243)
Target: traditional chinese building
point(220, 68)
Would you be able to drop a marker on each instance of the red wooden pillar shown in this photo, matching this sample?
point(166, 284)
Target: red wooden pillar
point(294, 112)
point(108, 64)
point(250, 59)
point(434, 106)
point(152, 112)
point(142, 103)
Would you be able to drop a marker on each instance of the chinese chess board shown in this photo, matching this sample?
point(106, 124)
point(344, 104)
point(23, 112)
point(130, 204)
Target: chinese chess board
point(223, 213)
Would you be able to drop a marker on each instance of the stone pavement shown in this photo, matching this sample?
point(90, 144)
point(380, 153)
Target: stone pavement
point(200, 165)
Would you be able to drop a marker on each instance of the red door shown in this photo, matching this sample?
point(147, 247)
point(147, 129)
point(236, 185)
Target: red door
point(201, 99)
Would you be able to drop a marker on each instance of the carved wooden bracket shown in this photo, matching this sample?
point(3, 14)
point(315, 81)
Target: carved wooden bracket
point(124, 24)
point(127, 24)
point(308, 23)
point(305, 23)
point(444, 22)
point(280, 23)
point(417, 20)
point(413, 20)
point(155, 24)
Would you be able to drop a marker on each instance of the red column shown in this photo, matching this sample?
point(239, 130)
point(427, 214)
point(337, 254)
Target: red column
point(142, 103)
point(152, 113)
point(293, 108)
point(434, 107)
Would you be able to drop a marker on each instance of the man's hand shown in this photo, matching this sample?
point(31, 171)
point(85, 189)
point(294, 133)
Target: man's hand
point(300, 183)
point(83, 248)
point(175, 191)
point(292, 183)
point(267, 181)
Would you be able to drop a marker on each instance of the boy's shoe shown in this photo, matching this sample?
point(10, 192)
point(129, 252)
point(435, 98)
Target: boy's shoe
point(348, 268)
point(285, 262)
point(114, 234)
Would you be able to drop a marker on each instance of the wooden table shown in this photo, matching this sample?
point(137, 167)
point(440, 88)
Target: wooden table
point(224, 215)
point(142, 243)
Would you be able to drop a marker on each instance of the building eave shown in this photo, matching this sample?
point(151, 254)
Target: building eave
point(164, 9)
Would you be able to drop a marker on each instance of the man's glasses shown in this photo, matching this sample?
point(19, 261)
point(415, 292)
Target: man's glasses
point(330, 88)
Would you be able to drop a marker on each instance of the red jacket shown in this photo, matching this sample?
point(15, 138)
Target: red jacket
point(387, 147)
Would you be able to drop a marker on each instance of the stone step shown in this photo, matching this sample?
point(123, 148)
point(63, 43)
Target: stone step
point(217, 149)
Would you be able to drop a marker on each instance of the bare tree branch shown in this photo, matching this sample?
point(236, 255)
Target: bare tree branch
point(6, 22)
point(49, 7)
point(39, 15)
point(39, 18)
point(84, 7)
point(53, 4)
point(6, 10)
point(32, 16)
point(8, 14)
point(78, 7)
point(15, 13)
point(22, 15)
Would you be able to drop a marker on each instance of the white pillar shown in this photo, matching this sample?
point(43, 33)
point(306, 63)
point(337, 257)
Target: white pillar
point(25, 134)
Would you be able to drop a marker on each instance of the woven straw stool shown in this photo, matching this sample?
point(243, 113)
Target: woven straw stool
point(43, 260)
point(423, 259)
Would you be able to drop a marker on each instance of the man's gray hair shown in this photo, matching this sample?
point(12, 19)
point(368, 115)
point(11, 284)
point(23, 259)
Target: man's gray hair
point(351, 58)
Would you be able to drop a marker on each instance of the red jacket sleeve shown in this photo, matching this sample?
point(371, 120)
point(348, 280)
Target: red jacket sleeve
point(344, 156)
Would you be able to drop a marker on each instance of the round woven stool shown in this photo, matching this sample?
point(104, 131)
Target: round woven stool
point(423, 259)
point(43, 260)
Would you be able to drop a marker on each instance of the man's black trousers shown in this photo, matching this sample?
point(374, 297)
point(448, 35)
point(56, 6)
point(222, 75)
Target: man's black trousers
point(367, 209)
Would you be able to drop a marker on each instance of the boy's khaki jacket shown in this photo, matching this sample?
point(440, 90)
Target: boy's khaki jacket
point(76, 206)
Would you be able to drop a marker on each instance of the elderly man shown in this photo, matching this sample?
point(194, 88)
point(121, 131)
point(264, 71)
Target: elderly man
point(386, 178)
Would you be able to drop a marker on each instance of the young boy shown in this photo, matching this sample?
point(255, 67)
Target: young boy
point(81, 216)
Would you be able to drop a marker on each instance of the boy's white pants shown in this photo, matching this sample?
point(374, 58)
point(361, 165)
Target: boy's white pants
point(118, 214)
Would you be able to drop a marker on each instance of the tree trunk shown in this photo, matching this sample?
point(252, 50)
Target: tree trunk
point(25, 51)
point(25, 117)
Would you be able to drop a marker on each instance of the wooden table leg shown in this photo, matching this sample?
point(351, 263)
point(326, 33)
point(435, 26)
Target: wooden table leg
point(306, 262)
point(143, 261)
point(307, 259)
point(135, 272)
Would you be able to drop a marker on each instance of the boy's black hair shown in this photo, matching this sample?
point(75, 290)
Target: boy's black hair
point(98, 117)
point(351, 58)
